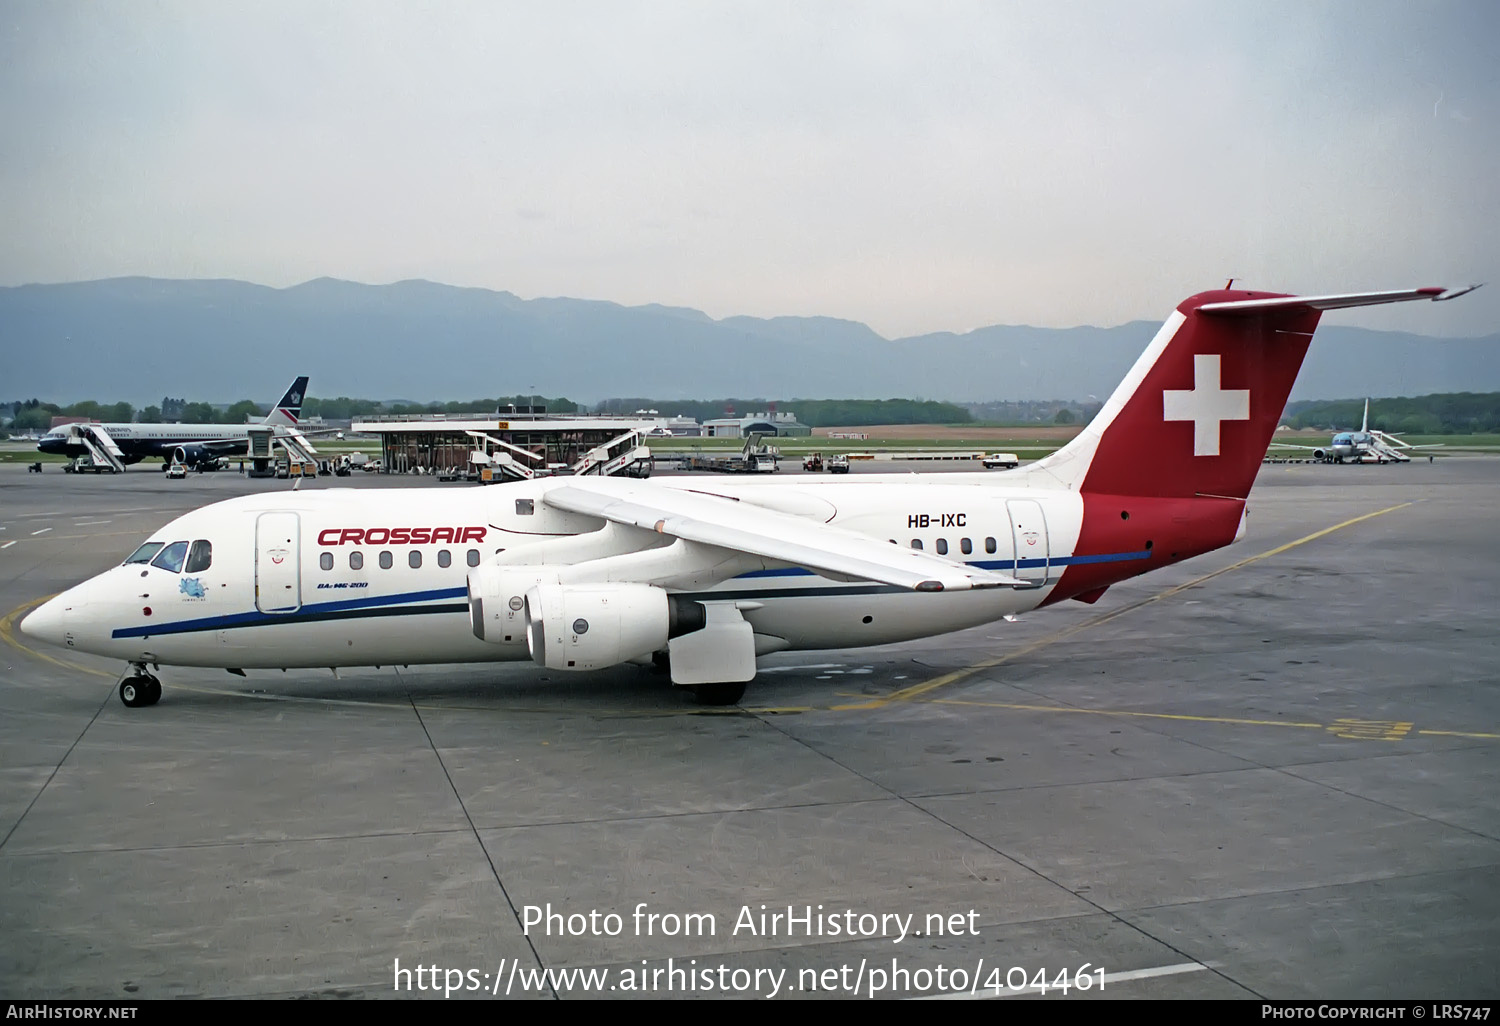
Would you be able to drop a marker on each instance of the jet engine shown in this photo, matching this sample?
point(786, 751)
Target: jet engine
point(631, 618)
point(190, 455)
point(497, 600)
point(1320, 454)
point(591, 626)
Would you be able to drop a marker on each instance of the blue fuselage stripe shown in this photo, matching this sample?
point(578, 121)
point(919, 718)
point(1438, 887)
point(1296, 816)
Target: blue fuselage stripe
point(344, 609)
point(438, 600)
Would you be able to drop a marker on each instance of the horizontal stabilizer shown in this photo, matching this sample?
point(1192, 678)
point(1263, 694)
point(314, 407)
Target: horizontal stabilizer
point(1338, 302)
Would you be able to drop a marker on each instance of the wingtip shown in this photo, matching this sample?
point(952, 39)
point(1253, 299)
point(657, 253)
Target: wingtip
point(1447, 294)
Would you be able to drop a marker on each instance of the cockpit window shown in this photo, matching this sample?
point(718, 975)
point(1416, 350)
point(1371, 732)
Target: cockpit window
point(144, 553)
point(171, 557)
point(200, 557)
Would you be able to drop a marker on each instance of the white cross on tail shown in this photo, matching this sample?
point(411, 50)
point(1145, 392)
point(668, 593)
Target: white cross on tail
point(1206, 404)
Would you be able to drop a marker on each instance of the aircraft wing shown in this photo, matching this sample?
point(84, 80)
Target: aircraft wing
point(216, 445)
point(731, 524)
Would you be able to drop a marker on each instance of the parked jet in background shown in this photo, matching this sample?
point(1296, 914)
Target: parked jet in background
point(1362, 446)
point(583, 573)
point(116, 446)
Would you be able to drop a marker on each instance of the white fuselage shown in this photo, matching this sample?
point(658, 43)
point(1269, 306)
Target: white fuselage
point(295, 580)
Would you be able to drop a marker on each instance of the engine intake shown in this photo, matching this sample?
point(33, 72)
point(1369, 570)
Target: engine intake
point(189, 455)
point(497, 601)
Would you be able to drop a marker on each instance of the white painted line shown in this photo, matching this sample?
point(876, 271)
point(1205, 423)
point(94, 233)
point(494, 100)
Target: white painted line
point(980, 993)
point(63, 512)
point(91, 523)
point(7, 545)
point(42, 531)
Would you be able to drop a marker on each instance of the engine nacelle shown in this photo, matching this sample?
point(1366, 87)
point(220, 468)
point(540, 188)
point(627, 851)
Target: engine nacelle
point(592, 626)
point(190, 455)
point(1320, 454)
point(497, 600)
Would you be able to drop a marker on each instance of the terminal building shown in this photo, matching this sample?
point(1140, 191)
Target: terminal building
point(511, 446)
point(782, 425)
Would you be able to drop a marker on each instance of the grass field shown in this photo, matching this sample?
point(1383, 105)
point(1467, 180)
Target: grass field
point(1457, 443)
point(1029, 443)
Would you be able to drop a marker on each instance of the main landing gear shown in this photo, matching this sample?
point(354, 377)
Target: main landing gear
point(727, 693)
point(139, 688)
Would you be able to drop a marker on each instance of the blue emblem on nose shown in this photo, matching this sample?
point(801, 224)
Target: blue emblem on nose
point(192, 587)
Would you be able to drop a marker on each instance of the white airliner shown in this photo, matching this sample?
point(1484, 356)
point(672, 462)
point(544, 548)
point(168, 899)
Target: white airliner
point(115, 446)
point(1366, 445)
point(579, 573)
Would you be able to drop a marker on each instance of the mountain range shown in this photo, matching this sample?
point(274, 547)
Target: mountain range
point(139, 339)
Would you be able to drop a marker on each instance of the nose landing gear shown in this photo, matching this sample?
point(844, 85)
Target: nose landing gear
point(139, 688)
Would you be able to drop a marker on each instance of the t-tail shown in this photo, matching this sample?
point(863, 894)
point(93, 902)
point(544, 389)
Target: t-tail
point(1165, 467)
point(289, 411)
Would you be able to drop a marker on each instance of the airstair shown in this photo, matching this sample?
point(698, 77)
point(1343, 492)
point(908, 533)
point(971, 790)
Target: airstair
point(297, 446)
point(502, 460)
point(620, 455)
point(102, 450)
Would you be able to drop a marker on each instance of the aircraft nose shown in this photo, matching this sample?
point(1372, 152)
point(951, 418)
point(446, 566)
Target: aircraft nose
point(48, 621)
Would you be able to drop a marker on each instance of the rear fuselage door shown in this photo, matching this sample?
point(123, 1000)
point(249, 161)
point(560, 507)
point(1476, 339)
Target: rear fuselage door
point(1029, 529)
point(277, 575)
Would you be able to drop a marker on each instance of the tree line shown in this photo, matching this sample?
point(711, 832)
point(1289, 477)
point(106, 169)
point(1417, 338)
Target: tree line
point(812, 412)
point(35, 415)
point(1444, 413)
point(1449, 413)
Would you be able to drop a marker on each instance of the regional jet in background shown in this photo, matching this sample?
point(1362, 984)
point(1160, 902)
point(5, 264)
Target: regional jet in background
point(582, 573)
point(115, 446)
point(1362, 446)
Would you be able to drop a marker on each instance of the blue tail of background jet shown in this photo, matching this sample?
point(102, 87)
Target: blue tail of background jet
point(289, 411)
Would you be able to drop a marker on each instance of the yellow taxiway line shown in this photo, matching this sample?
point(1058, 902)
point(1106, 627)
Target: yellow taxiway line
point(927, 687)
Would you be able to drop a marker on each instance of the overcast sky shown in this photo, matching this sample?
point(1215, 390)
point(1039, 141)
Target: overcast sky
point(917, 166)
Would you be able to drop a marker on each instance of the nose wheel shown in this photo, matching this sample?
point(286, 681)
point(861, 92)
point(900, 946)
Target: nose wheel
point(139, 689)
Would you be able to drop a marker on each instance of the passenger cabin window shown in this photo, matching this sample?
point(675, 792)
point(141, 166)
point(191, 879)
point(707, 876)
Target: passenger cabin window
point(200, 557)
point(942, 546)
point(356, 561)
point(989, 545)
point(385, 560)
point(171, 557)
point(326, 561)
point(473, 557)
point(414, 558)
point(916, 543)
point(525, 507)
point(966, 546)
point(144, 553)
point(444, 558)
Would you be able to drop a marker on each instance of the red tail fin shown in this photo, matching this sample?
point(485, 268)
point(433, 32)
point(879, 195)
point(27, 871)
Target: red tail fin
point(1195, 414)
